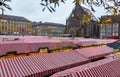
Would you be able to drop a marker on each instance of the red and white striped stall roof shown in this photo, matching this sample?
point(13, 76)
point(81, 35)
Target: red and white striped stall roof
point(90, 42)
point(102, 68)
point(40, 65)
point(95, 52)
point(87, 43)
point(33, 44)
point(9, 46)
point(50, 44)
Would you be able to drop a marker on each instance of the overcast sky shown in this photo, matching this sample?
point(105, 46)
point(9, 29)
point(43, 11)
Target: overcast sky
point(32, 10)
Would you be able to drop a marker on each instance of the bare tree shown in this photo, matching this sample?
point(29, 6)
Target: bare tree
point(109, 5)
point(3, 5)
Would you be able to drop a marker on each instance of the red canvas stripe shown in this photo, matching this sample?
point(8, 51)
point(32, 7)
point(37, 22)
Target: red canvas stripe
point(25, 66)
point(20, 66)
point(33, 65)
point(11, 67)
point(40, 64)
point(99, 70)
point(79, 74)
point(7, 70)
point(28, 66)
point(95, 72)
point(3, 69)
point(83, 73)
point(108, 71)
point(15, 67)
point(35, 69)
point(115, 67)
point(72, 74)
point(90, 72)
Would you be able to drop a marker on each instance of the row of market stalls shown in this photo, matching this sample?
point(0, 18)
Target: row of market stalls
point(26, 46)
point(92, 59)
point(48, 64)
point(40, 65)
point(102, 68)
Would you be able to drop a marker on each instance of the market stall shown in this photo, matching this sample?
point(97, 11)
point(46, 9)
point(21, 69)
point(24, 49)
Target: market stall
point(102, 68)
point(95, 52)
point(40, 65)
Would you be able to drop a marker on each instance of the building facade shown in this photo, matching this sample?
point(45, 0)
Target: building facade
point(110, 27)
point(15, 25)
point(47, 28)
point(77, 22)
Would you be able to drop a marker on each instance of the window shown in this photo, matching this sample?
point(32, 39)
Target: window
point(2, 22)
point(9, 22)
point(24, 24)
point(15, 23)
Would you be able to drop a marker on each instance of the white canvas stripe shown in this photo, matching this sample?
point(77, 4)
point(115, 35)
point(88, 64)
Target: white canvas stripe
point(11, 68)
point(7, 72)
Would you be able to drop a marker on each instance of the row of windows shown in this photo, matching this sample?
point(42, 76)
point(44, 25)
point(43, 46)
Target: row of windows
point(109, 30)
point(109, 34)
point(15, 23)
point(108, 26)
point(45, 28)
point(4, 24)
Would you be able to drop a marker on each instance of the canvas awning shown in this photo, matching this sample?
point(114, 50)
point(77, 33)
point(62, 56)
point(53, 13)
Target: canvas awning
point(40, 65)
point(115, 45)
point(10, 46)
point(95, 52)
point(103, 68)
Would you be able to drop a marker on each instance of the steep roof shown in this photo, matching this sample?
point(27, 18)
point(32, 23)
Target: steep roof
point(16, 18)
point(51, 23)
point(81, 10)
point(115, 18)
